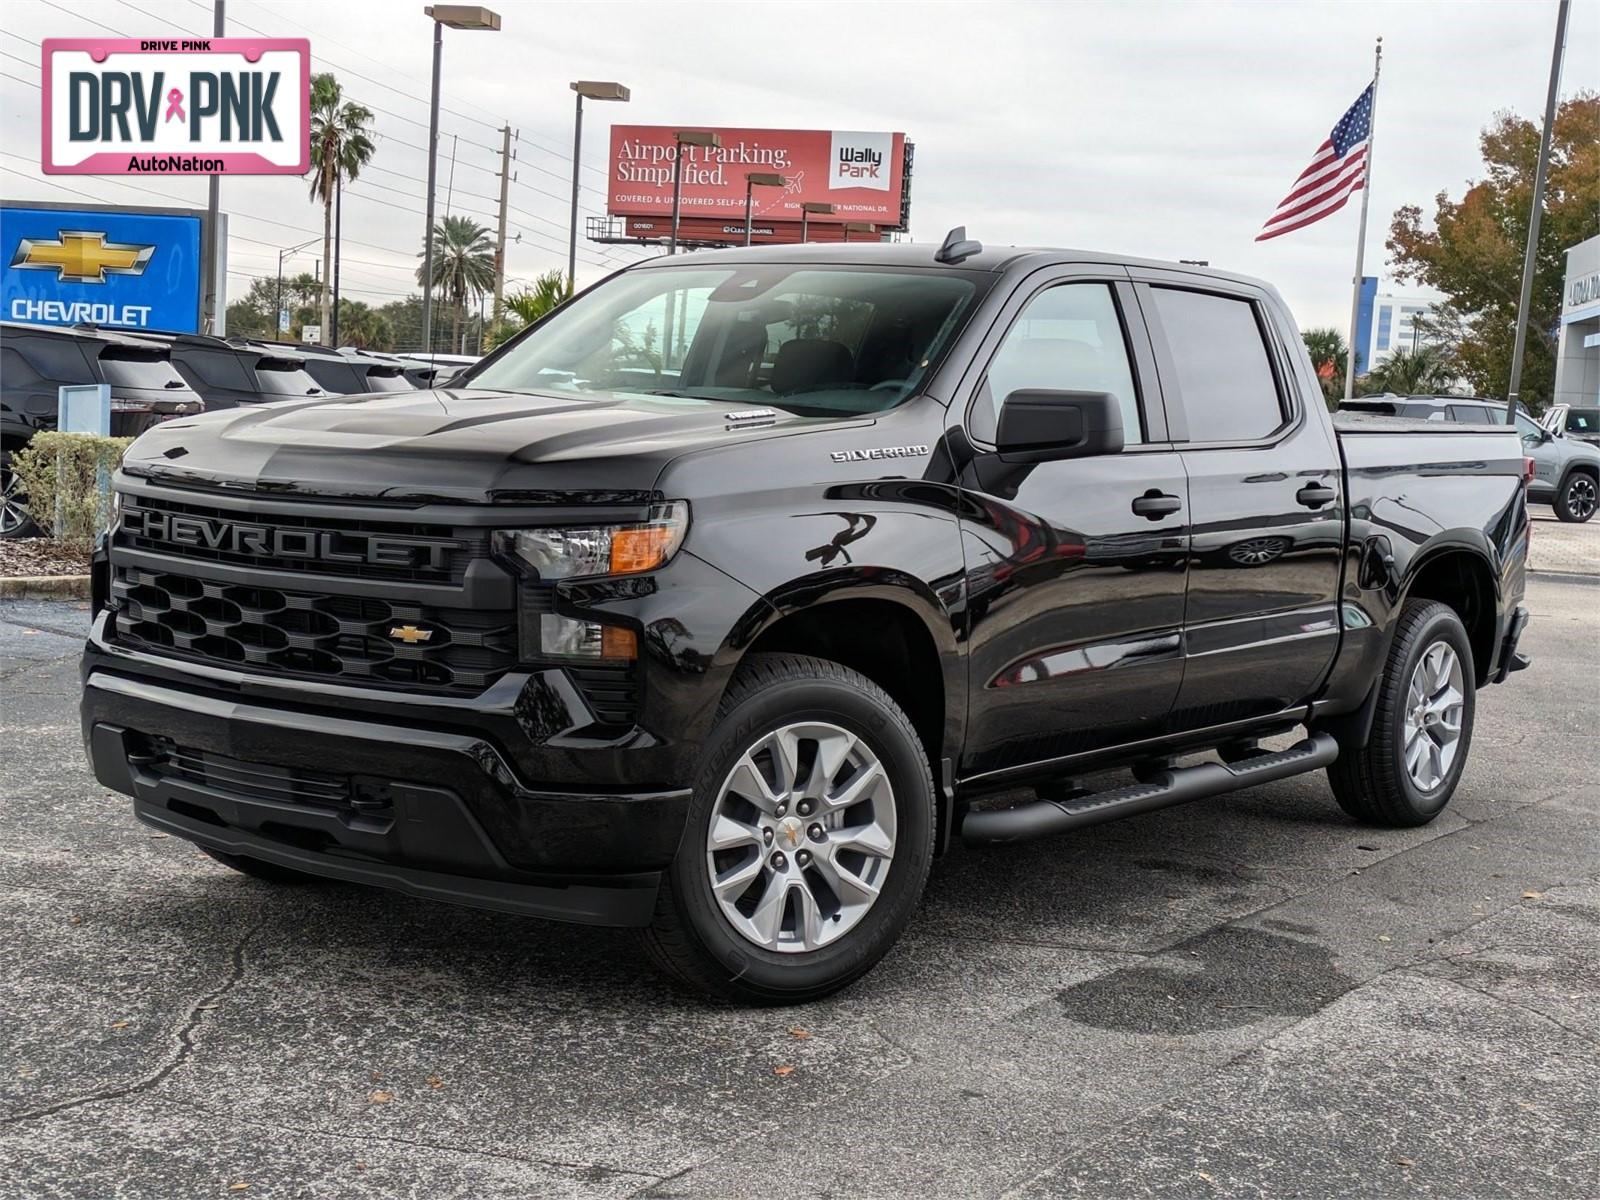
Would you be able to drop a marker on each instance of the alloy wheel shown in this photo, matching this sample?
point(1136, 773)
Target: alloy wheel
point(14, 515)
point(1434, 708)
point(801, 837)
point(1256, 551)
point(1581, 497)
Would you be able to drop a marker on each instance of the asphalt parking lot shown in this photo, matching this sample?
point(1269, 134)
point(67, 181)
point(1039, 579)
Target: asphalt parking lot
point(1245, 997)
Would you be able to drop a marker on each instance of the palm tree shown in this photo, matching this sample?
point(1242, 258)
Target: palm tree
point(1425, 371)
point(549, 292)
point(463, 267)
point(1327, 349)
point(340, 147)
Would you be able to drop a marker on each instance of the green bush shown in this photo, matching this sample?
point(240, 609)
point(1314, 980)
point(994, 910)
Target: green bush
point(68, 467)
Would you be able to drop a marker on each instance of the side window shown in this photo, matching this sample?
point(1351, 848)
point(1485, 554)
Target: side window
point(1068, 338)
point(1465, 414)
point(1529, 429)
point(1224, 376)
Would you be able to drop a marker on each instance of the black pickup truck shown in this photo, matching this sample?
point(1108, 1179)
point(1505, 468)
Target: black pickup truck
point(721, 600)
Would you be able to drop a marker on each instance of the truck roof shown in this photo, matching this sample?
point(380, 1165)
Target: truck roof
point(921, 254)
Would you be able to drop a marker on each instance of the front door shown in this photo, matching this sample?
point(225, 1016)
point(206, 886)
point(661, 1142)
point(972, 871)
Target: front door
point(1075, 569)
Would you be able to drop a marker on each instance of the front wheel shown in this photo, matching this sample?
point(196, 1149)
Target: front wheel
point(809, 838)
point(16, 521)
point(1422, 728)
point(1578, 498)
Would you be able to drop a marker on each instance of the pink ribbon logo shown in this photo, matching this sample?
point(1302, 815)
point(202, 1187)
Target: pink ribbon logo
point(175, 105)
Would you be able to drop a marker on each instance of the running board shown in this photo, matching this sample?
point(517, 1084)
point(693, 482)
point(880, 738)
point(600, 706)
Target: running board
point(1179, 785)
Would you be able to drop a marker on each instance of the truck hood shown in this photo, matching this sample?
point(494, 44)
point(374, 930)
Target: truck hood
point(449, 445)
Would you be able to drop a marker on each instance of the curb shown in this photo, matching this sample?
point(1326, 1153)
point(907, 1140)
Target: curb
point(44, 587)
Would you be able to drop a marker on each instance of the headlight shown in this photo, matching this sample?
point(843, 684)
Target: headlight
point(602, 550)
point(545, 555)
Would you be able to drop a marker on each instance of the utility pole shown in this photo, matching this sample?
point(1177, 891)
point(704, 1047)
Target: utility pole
point(213, 207)
point(1529, 254)
point(500, 238)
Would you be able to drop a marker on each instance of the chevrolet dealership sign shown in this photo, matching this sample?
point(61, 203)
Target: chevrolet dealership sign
point(133, 268)
point(170, 106)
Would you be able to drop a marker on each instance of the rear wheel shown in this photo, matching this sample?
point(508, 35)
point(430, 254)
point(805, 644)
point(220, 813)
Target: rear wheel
point(1578, 498)
point(257, 868)
point(809, 838)
point(1422, 729)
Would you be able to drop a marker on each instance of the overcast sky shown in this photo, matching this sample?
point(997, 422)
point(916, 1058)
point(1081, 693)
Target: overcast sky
point(1168, 130)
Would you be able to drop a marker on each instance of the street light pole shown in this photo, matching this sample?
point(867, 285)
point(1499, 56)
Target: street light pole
point(338, 238)
point(594, 91)
point(457, 16)
point(753, 180)
point(682, 138)
point(282, 254)
point(1530, 254)
point(808, 207)
point(427, 233)
point(213, 206)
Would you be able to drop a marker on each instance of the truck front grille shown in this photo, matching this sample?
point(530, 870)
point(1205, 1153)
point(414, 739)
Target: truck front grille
point(308, 545)
point(312, 635)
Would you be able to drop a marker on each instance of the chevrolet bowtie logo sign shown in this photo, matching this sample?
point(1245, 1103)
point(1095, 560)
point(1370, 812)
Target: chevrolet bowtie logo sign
point(78, 257)
point(410, 634)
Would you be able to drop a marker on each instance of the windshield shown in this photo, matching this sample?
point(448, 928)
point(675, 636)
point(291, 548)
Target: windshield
point(820, 341)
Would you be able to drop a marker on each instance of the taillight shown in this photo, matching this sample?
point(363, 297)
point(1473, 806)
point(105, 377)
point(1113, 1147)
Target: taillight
point(1527, 471)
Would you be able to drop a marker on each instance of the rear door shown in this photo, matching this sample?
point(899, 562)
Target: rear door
point(1075, 569)
point(1265, 500)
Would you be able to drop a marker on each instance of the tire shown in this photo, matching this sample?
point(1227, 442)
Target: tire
point(258, 869)
point(15, 520)
point(1577, 498)
point(801, 702)
point(1374, 783)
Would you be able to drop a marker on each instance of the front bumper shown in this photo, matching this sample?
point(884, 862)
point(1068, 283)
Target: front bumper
point(436, 814)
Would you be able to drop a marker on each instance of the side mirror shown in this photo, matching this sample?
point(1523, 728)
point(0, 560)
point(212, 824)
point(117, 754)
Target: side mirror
point(1038, 425)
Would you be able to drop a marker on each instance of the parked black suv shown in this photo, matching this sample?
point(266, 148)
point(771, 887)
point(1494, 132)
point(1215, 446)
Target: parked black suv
point(228, 372)
point(347, 372)
point(726, 634)
point(37, 360)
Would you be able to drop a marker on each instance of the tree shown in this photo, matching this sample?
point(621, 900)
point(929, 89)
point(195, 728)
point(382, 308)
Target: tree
point(1425, 371)
point(340, 147)
point(405, 322)
point(463, 267)
point(1473, 251)
point(548, 293)
point(363, 326)
point(1328, 355)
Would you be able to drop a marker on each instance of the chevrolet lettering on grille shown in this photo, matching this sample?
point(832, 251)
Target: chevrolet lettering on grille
point(269, 541)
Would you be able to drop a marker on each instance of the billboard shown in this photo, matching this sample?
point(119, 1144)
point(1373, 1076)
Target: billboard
point(731, 231)
point(861, 174)
point(194, 106)
point(137, 269)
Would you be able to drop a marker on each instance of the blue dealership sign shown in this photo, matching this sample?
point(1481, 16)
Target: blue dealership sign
point(102, 266)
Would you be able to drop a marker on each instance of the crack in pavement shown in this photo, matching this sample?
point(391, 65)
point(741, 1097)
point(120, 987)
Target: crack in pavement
point(595, 1172)
point(1580, 1034)
point(185, 1048)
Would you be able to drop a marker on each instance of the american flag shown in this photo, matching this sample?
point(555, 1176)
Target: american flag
point(1338, 168)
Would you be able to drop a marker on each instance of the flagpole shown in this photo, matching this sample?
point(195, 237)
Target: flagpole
point(1361, 235)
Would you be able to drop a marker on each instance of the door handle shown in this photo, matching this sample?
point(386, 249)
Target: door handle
point(1155, 505)
point(1315, 495)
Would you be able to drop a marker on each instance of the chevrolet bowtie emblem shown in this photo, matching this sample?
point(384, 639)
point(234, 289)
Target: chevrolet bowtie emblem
point(78, 257)
point(410, 634)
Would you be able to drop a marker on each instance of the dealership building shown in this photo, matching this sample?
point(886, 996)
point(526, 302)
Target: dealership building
point(1578, 354)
